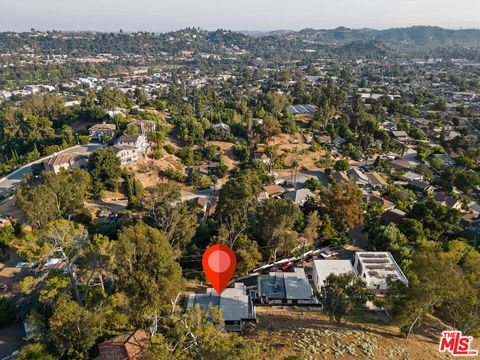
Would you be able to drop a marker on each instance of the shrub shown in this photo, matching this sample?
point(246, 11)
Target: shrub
point(84, 139)
point(169, 149)
point(174, 175)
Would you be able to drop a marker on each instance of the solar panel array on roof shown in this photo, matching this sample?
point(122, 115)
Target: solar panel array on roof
point(302, 109)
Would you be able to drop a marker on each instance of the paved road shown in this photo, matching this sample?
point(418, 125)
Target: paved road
point(11, 339)
point(14, 179)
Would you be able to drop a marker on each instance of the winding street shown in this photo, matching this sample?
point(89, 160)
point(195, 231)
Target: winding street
point(12, 180)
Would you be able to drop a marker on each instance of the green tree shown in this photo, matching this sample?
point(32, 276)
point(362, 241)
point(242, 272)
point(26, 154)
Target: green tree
point(273, 226)
point(104, 167)
point(34, 351)
point(247, 253)
point(269, 128)
point(162, 206)
point(190, 131)
point(53, 195)
point(196, 335)
point(276, 103)
point(237, 200)
point(342, 294)
point(341, 165)
point(467, 181)
point(436, 219)
point(6, 236)
point(311, 229)
point(134, 189)
point(312, 184)
point(73, 329)
point(60, 239)
point(342, 203)
point(389, 238)
point(413, 230)
point(434, 279)
point(145, 270)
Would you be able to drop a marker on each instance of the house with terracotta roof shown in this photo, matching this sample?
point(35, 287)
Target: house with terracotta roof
point(273, 190)
point(128, 346)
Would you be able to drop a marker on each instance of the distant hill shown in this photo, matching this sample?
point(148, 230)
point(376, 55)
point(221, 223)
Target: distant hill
point(276, 46)
point(430, 36)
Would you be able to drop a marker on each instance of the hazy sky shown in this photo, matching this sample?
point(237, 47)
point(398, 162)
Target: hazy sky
point(162, 15)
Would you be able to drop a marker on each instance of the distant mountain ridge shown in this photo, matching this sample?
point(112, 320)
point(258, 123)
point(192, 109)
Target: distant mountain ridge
point(415, 35)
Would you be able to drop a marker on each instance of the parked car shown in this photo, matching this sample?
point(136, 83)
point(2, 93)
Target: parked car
point(23, 265)
point(103, 213)
point(287, 265)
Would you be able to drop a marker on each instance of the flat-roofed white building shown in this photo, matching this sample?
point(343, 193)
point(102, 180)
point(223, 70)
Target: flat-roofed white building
point(323, 268)
point(376, 268)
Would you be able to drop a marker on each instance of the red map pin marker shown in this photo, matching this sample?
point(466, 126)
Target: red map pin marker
point(219, 264)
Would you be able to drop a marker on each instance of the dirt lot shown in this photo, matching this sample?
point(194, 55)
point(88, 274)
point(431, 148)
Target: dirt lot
point(227, 152)
point(305, 333)
point(293, 147)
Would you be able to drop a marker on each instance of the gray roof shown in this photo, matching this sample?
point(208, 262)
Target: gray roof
point(234, 303)
point(129, 138)
point(299, 196)
point(285, 285)
point(357, 175)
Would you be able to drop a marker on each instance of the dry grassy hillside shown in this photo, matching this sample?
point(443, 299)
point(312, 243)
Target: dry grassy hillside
point(303, 334)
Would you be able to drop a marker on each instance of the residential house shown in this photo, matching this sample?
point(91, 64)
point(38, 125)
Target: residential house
point(299, 196)
point(323, 268)
point(133, 140)
point(386, 204)
point(284, 288)
point(274, 190)
point(445, 160)
point(392, 216)
point(234, 303)
point(376, 269)
point(130, 148)
point(128, 346)
point(410, 176)
point(64, 161)
point(447, 200)
point(421, 186)
point(263, 158)
point(101, 131)
point(340, 176)
point(358, 176)
point(221, 126)
point(323, 139)
point(376, 180)
point(145, 126)
point(402, 137)
point(402, 165)
point(202, 170)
